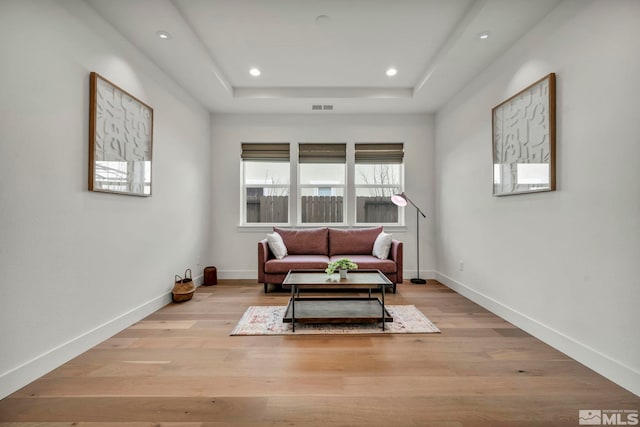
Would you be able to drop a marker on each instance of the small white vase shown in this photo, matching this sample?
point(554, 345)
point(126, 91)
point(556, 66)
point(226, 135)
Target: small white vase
point(343, 274)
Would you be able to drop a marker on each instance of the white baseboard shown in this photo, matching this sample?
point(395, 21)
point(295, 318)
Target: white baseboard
point(33, 369)
point(621, 374)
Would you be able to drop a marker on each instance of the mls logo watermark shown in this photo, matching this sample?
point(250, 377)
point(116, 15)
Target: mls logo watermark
point(608, 417)
point(590, 417)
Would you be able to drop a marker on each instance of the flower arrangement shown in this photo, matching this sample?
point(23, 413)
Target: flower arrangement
point(341, 264)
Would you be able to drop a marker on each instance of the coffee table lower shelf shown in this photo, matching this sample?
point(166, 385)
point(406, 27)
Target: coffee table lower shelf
point(337, 310)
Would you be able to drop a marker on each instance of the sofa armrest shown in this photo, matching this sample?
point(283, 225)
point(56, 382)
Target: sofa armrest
point(396, 255)
point(264, 254)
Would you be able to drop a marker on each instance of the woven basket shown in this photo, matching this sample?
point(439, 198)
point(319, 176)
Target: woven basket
point(184, 288)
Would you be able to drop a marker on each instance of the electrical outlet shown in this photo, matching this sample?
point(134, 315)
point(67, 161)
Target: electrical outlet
point(461, 265)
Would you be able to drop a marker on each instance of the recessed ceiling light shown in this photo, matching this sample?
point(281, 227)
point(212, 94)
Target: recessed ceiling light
point(254, 72)
point(484, 35)
point(163, 35)
point(392, 72)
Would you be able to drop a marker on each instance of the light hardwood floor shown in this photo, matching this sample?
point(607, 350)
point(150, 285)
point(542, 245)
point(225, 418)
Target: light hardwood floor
point(180, 367)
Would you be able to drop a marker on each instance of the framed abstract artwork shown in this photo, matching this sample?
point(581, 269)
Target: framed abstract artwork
point(120, 140)
point(524, 140)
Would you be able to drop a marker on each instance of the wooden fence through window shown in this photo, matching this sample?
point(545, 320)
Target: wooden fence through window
point(273, 209)
point(320, 209)
point(376, 210)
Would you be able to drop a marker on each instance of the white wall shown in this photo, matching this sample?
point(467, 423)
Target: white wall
point(76, 266)
point(561, 265)
point(234, 249)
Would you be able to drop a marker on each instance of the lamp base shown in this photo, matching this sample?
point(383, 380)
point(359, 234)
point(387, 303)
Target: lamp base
point(418, 281)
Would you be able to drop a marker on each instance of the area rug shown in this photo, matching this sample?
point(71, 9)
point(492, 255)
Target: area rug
point(267, 320)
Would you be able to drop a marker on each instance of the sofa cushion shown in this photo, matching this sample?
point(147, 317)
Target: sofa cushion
point(368, 262)
point(347, 242)
point(296, 262)
point(305, 242)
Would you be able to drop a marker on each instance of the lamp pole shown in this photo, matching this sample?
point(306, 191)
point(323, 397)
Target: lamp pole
point(401, 200)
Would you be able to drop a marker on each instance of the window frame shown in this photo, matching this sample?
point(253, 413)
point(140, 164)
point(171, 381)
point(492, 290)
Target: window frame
point(244, 186)
point(378, 154)
point(343, 186)
point(356, 186)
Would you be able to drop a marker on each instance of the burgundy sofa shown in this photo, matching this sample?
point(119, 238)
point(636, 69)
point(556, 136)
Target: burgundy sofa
point(315, 248)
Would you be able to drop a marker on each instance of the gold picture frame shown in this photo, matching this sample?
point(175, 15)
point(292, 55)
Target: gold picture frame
point(120, 140)
point(524, 140)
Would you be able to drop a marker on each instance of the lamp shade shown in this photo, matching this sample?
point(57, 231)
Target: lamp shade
point(399, 199)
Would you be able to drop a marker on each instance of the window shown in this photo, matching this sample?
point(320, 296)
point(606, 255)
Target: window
point(378, 176)
point(324, 191)
point(321, 185)
point(265, 183)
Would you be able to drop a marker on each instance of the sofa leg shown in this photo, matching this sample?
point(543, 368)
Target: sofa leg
point(265, 288)
point(394, 288)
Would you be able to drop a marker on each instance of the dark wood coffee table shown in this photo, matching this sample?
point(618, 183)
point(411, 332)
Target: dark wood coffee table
point(336, 309)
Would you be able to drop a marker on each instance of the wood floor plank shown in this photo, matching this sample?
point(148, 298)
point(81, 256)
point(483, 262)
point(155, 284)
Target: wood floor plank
point(133, 409)
point(180, 367)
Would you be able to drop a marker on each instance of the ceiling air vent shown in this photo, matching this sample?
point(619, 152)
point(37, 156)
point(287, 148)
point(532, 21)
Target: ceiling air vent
point(320, 107)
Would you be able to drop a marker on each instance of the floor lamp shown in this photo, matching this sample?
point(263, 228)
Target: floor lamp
point(401, 200)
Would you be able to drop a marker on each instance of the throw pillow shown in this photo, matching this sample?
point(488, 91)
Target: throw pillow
point(382, 245)
point(276, 244)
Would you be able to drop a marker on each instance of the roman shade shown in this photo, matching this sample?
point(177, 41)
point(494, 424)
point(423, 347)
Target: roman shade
point(266, 152)
point(372, 153)
point(322, 153)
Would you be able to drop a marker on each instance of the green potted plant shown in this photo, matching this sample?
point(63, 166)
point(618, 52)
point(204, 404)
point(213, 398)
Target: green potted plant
point(342, 265)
